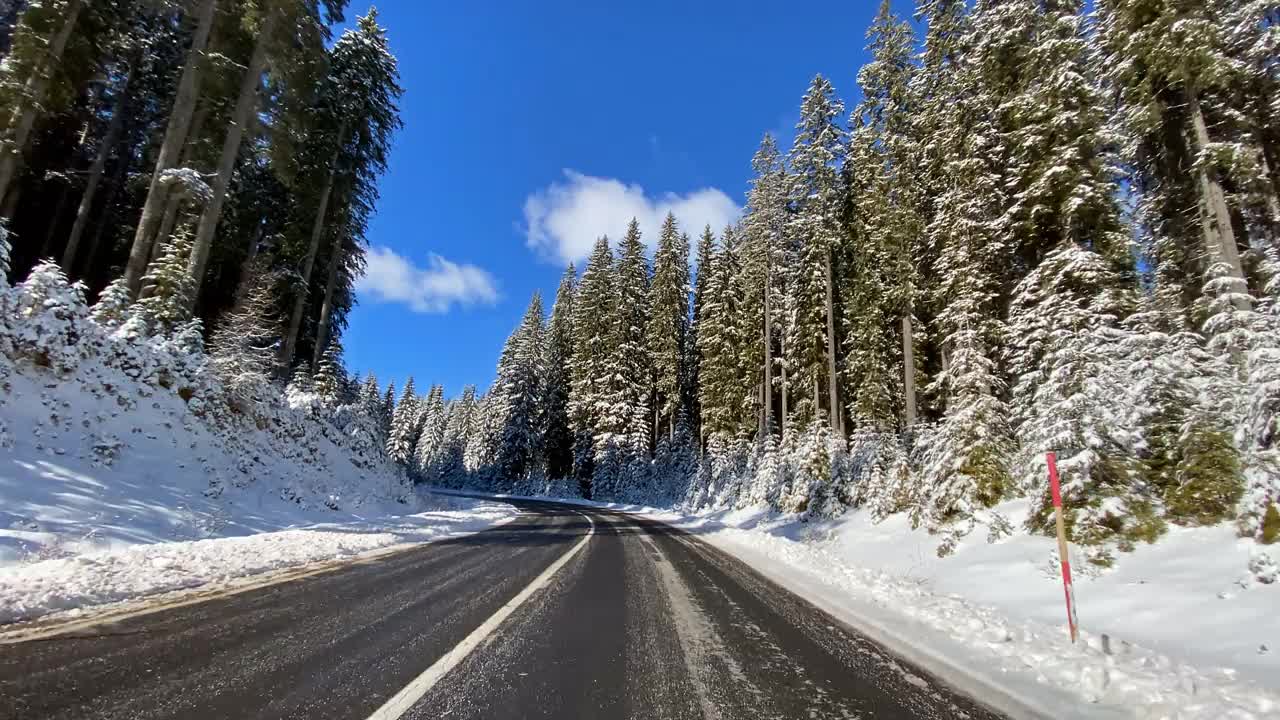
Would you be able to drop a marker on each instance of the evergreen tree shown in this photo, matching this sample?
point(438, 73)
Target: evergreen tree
point(816, 195)
point(631, 366)
point(594, 302)
point(520, 393)
point(558, 364)
point(668, 325)
point(404, 425)
point(167, 289)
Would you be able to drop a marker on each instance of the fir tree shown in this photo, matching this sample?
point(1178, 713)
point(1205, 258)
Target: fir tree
point(668, 325)
point(558, 364)
point(816, 195)
point(404, 425)
point(589, 376)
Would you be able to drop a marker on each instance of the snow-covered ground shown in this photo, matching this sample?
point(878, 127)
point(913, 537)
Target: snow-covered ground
point(1190, 635)
point(124, 471)
point(33, 590)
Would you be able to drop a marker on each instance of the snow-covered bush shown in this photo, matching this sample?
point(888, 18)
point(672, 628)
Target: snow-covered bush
point(49, 324)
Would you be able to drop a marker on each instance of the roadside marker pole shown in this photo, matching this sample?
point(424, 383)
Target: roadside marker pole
point(1069, 591)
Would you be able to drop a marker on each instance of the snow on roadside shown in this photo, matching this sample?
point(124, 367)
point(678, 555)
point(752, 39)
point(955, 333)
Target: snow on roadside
point(990, 632)
point(36, 589)
point(1190, 638)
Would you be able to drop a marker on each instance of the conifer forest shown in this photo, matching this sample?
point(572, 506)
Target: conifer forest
point(1046, 225)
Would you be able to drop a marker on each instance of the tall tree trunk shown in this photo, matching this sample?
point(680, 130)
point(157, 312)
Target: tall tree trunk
point(832, 389)
point(175, 138)
point(1219, 236)
point(246, 105)
point(113, 190)
point(909, 369)
point(51, 231)
point(95, 173)
point(768, 345)
point(289, 346)
point(786, 411)
point(24, 116)
point(326, 309)
point(246, 267)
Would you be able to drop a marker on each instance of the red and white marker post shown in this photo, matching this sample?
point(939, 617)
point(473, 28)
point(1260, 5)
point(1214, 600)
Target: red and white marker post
point(1052, 459)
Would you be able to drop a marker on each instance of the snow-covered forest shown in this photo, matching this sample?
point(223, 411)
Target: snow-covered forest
point(1047, 225)
point(1042, 228)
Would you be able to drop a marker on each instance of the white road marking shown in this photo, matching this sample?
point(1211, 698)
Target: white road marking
point(421, 685)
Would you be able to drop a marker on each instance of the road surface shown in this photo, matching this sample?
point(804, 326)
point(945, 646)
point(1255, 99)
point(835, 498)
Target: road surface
point(565, 612)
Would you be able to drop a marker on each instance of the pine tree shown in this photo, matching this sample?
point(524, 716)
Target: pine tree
point(817, 197)
point(330, 376)
point(764, 227)
point(559, 364)
point(431, 440)
point(630, 366)
point(242, 346)
point(520, 394)
point(404, 425)
point(668, 325)
point(112, 307)
point(969, 460)
point(388, 408)
point(167, 289)
point(371, 398)
point(595, 302)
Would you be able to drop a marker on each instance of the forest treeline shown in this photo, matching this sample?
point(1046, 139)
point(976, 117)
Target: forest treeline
point(212, 160)
point(1044, 227)
point(1047, 225)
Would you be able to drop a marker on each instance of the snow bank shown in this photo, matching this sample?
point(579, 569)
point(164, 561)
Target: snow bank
point(32, 590)
point(127, 468)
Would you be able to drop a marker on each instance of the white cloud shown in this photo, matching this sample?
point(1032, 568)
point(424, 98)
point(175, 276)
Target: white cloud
point(389, 277)
point(564, 219)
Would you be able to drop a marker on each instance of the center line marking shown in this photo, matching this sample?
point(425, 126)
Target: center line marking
point(421, 685)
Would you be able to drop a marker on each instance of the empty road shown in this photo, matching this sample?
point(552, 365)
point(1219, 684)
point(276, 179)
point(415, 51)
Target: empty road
point(566, 612)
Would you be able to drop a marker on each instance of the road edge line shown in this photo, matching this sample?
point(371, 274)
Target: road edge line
point(410, 694)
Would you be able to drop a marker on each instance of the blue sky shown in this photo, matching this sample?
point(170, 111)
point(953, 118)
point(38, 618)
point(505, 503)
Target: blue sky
point(531, 127)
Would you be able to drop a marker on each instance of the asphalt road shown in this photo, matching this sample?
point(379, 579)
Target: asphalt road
point(642, 621)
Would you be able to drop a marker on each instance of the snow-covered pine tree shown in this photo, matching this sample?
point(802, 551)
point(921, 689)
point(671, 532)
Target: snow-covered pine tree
point(431, 440)
point(1248, 341)
point(330, 375)
point(449, 468)
point(371, 398)
point(705, 258)
point(1182, 429)
point(719, 391)
point(969, 458)
point(668, 326)
point(594, 303)
point(886, 234)
point(1063, 353)
point(764, 231)
point(112, 308)
point(388, 411)
point(165, 303)
point(1181, 80)
point(558, 363)
point(625, 422)
point(520, 390)
point(404, 425)
point(242, 346)
point(817, 197)
point(53, 317)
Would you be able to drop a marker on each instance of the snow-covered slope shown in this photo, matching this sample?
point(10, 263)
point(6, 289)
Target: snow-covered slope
point(112, 439)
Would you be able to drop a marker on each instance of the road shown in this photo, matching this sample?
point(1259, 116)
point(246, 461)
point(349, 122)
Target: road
point(565, 612)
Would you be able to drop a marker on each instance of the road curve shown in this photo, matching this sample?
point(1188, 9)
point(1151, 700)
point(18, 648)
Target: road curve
point(642, 621)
